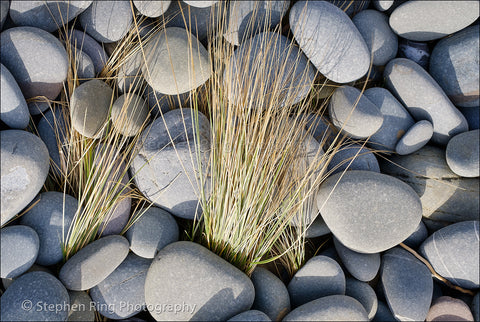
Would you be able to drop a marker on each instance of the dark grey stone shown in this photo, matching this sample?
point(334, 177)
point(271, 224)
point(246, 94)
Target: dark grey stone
point(447, 308)
point(251, 315)
point(39, 106)
point(317, 228)
point(453, 253)
point(158, 102)
point(152, 9)
point(318, 126)
point(4, 7)
point(93, 263)
point(417, 51)
point(313, 23)
point(24, 168)
point(19, 250)
point(363, 293)
point(462, 154)
point(363, 267)
point(206, 287)
point(34, 268)
point(81, 307)
point(36, 59)
point(472, 114)
point(476, 307)
point(14, 109)
point(416, 138)
point(383, 313)
point(353, 157)
point(31, 298)
point(351, 8)
point(129, 114)
point(417, 237)
point(382, 5)
point(89, 46)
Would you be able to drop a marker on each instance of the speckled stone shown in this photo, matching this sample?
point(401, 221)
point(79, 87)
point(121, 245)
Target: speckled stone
point(364, 267)
point(417, 51)
point(447, 308)
point(81, 307)
point(251, 315)
point(129, 114)
point(416, 138)
point(152, 9)
point(353, 157)
point(89, 46)
point(462, 154)
point(19, 250)
point(363, 293)
point(13, 107)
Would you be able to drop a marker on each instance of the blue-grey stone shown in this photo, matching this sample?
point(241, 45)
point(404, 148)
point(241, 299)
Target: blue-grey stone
point(341, 59)
point(364, 267)
point(161, 103)
point(4, 7)
point(94, 262)
point(200, 4)
point(317, 228)
point(383, 313)
point(382, 5)
point(379, 37)
point(271, 295)
point(81, 307)
point(152, 9)
point(206, 287)
point(154, 230)
point(417, 51)
point(34, 268)
point(39, 106)
point(36, 59)
point(447, 308)
point(476, 307)
point(353, 157)
point(84, 66)
point(462, 154)
point(363, 293)
point(318, 126)
point(428, 20)
point(129, 74)
point(31, 298)
point(424, 99)
point(13, 107)
point(453, 253)
point(51, 218)
point(129, 114)
point(416, 138)
point(407, 284)
point(351, 8)
point(417, 237)
point(472, 114)
point(122, 294)
point(24, 168)
point(89, 46)
point(251, 315)
point(19, 250)
point(320, 276)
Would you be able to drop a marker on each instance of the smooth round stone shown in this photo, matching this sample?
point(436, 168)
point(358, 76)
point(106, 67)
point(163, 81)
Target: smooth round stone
point(4, 7)
point(38, 107)
point(246, 18)
point(447, 308)
point(417, 51)
point(51, 218)
point(363, 267)
point(39, 288)
point(154, 230)
point(81, 307)
point(417, 237)
point(329, 308)
point(407, 285)
point(52, 129)
point(176, 65)
point(363, 293)
point(13, 107)
point(428, 20)
point(424, 99)
point(84, 66)
point(200, 3)
point(93, 263)
point(369, 212)
point(251, 315)
point(271, 295)
point(415, 138)
point(129, 114)
point(476, 307)
point(107, 21)
point(383, 313)
point(353, 157)
point(359, 120)
point(207, 287)
point(472, 114)
point(313, 23)
point(462, 154)
point(89, 107)
point(317, 228)
point(168, 178)
point(19, 250)
point(89, 46)
point(445, 196)
point(36, 59)
point(122, 294)
point(379, 37)
point(396, 119)
point(453, 253)
point(320, 276)
point(24, 168)
point(382, 5)
point(152, 9)
point(454, 65)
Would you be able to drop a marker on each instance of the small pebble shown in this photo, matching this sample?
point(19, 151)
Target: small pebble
point(463, 154)
point(415, 138)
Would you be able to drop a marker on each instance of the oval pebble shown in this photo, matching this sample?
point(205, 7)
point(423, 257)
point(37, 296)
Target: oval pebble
point(353, 157)
point(415, 138)
point(447, 308)
point(13, 107)
point(152, 9)
point(81, 307)
point(462, 154)
point(364, 267)
point(129, 114)
point(89, 46)
point(417, 51)
point(363, 293)
point(251, 315)
point(19, 250)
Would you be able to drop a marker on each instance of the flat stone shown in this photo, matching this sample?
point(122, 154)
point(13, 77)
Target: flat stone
point(369, 212)
point(24, 168)
point(462, 154)
point(472, 114)
point(50, 218)
point(383, 313)
point(363, 293)
point(208, 287)
point(424, 99)
point(154, 230)
point(427, 20)
point(407, 284)
point(89, 46)
point(313, 23)
point(81, 307)
point(358, 120)
point(445, 196)
point(329, 308)
point(320, 276)
point(93, 263)
point(416, 138)
point(417, 51)
point(36, 59)
point(379, 37)
point(447, 308)
point(454, 65)
point(14, 109)
point(129, 114)
point(152, 9)
point(353, 157)
point(417, 237)
point(382, 5)
point(39, 106)
point(271, 295)
point(453, 253)
point(251, 315)
point(19, 250)
point(170, 67)
point(38, 288)
point(364, 267)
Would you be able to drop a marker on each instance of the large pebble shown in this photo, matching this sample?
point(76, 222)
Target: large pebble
point(363, 267)
point(417, 51)
point(416, 138)
point(19, 250)
point(353, 157)
point(152, 9)
point(363, 293)
point(13, 107)
point(315, 26)
point(36, 296)
point(81, 307)
point(93, 263)
point(430, 20)
point(36, 59)
point(369, 212)
point(462, 154)
point(89, 46)
point(453, 253)
point(407, 284)
point(129, 114)
point(206, 287)
point(250, 316)
point(424, 99)
point(320, 276)
point(24, 168)
point(447, 308)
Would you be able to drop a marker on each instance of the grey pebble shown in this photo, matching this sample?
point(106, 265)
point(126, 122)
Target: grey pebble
point(416, 138)
point(152, 9)
point(449, 308)
point(4, 8)
point(129, 114)
point(363, 293)
point(382, 5)
point(84, 66)
point(251, 315)
point(476, 307)
point(472, 114)
point(39, 106)
point(383, 313)
point(19, 250)
point(417, 237)
point(353, 157)
point(317, 228)
point(201, 3)
point(417, 51)
point(14, 110)
point(81, 307)
point(351, 8)
point(89, 46)
point(364, 267)
point(462, 154)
